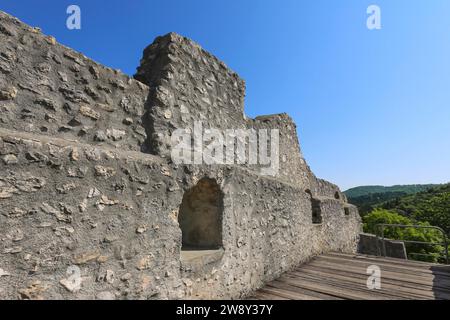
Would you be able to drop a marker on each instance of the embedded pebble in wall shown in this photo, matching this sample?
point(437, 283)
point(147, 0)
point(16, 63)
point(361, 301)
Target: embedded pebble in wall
point(83, 206)
point(100, 136)
point(36, 156)
point(66, 188)
point(92, 93)
point(4, 273)
point(34, 291)
point(46, 103)
point(93, 192)
point(115, 134)
point(106, 172)
point(70, 285)
point(167, 114)
point(88, 112)
point(74, 154)
point(10, 159)
point(94, 71)
point(62, 76)
point(9, 93)
point(51, 40)
point(127, 121)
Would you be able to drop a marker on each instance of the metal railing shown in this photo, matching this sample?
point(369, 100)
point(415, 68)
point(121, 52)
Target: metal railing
point(445, 244)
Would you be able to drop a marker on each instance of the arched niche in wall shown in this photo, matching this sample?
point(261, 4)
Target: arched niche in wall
point(316, 210)
point(200, 216)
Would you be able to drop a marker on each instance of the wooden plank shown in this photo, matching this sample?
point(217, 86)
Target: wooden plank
point(361, 288)
point(336, 289)
point(433, 279)
point(435, 282)
point(404, 266)
point(362, 269)
point(396, 279)
point(261, 294)
point(278, 288)
point(387, 259)
point(308, 294)
point(264, 294)
point(396, 289)
point(410, 264)
point(343, 276)
point(384, 264)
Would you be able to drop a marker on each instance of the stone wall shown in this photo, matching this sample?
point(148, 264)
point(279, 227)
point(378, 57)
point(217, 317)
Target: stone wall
point(372, 245)
point(56, 91)
point(188, 84)
point(87, 184)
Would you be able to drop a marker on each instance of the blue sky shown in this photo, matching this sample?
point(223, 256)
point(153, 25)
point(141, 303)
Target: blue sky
point(372, 107)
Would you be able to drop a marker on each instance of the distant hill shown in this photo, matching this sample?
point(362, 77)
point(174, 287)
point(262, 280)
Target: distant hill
point(366, 198)
point(406, 189)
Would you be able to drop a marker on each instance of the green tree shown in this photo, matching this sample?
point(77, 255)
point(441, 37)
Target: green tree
point(423, 252)
point(432, 206)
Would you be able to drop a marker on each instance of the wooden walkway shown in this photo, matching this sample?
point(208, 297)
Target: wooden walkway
point(338, 276)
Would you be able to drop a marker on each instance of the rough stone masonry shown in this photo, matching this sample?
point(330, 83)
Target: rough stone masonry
point(92, 207)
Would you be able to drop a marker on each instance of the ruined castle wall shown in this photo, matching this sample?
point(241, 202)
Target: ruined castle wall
point(292, 167)
point(268, 230)
point(187, 85)
point(113, 214)
point(52, 90)
point(109, 207)
point(65, 204)
point(268, 225)
point(323, 188)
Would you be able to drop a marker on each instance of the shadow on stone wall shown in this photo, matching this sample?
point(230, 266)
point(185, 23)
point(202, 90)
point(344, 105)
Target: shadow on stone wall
point(200, 216)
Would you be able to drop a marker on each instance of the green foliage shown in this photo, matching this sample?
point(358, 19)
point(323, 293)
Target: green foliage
point(414, 204)
point(431, 253)
point(432, 206)
point(379, 216)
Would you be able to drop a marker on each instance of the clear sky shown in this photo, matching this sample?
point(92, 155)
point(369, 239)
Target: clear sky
point(371, 106)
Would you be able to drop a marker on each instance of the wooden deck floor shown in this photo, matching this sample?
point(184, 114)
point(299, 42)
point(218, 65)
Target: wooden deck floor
point(337, 276)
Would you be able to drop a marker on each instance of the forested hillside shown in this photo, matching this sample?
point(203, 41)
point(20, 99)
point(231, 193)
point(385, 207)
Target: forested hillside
point(404, 189)
point(367, 198)
point(396, 206)
point(432, 206)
